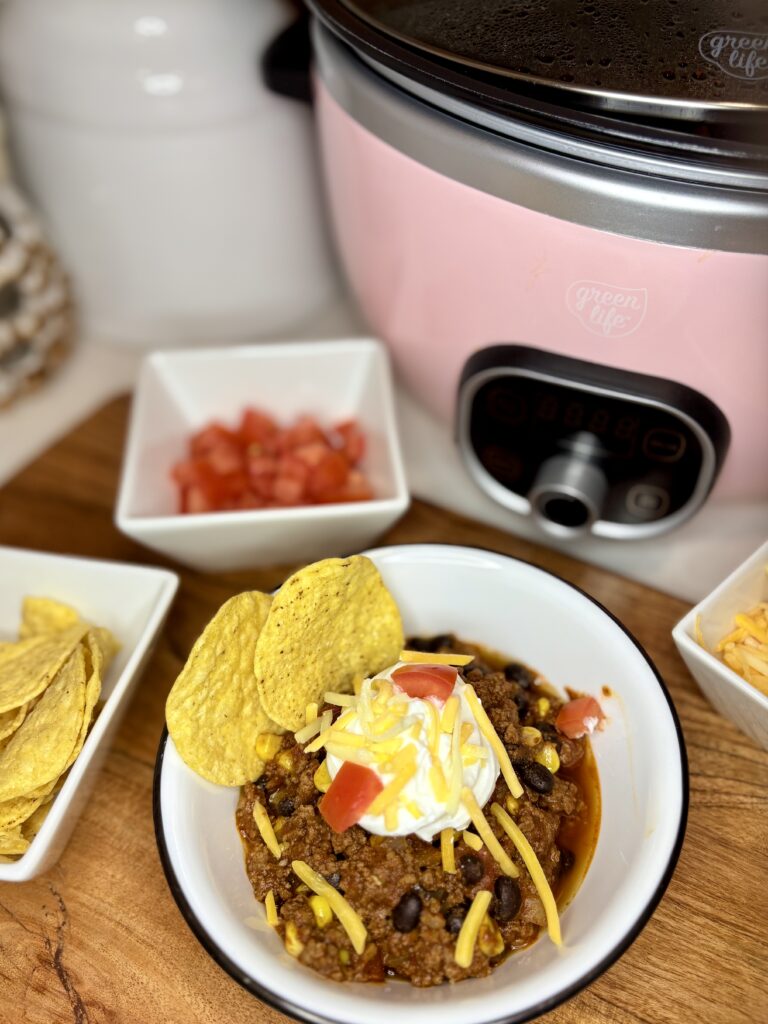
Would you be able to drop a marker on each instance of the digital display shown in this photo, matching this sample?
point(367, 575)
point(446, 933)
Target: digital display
point(650, 457)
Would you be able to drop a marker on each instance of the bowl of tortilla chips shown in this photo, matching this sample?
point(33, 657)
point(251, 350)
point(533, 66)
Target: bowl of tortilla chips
point(74, 636)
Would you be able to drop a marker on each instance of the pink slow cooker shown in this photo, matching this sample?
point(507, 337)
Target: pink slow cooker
point(556, 214)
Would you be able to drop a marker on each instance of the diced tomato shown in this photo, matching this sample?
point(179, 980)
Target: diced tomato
point(255, 427)
point(349, 796)
point(356, 488)
point(262, 465)
point(210, 437)
point(579, 717)
point(287, 490)
point(225, 458)
point(426, 680)
point(304, 431)
point(312, 453)
point(351, 441)
point(329, 475)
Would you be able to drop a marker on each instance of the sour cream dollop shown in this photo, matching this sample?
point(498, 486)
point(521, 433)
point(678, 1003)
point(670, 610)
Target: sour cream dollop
point(392, 722)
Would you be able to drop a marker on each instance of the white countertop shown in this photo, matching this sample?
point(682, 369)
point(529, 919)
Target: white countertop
point(687, 562)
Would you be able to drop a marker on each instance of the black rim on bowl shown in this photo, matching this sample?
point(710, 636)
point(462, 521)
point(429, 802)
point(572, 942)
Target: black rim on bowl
point(284, 1005)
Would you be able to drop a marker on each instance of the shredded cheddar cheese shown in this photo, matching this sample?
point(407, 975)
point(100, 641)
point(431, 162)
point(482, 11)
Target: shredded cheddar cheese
point(271, 908)
point(745, 648)
point(486, 728)
point(465, 944)
point(349, 919)
point(343, 700)
point(450, 710)
point(267, 833)
point(393, 789)
point(425, 658)
point(447, 851)
point(473, 842)
point(535, 870)
point(310, 713)
point(480, 822)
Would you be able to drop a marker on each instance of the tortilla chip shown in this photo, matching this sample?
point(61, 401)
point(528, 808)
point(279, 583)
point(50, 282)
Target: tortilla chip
point(330, 622)
point(13, 842)
point(32, 664)
point(94, 666)
point(34, 822)
point(213, 712)
point(39, 750)
point(42, 615)
point(12, 719)
point(15, 812)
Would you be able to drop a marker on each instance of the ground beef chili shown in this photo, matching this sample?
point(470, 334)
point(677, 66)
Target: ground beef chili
point(411, 908)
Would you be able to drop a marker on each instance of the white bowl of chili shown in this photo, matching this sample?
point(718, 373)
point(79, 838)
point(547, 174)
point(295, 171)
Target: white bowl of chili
point(532, 616)
point(179, 393)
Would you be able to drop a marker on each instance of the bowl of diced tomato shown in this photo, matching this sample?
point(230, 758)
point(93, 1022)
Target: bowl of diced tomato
point(262, 454)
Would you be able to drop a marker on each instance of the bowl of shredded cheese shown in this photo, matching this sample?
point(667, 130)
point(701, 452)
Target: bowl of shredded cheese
point(724, 643)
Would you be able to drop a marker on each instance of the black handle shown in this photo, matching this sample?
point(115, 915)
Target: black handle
point(285, 62)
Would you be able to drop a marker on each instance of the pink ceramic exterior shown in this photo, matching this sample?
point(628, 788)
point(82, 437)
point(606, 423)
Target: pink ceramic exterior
point(441, 270)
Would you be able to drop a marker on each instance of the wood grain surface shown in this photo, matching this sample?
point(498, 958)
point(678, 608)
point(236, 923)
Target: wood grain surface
point(99, 939)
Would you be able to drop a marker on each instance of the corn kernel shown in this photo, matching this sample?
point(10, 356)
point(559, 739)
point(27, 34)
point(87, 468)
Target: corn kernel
point(512, 804)
point(322, 778)
point(549, 757)
point(543, 704)
point(321, 908)
point(344, 956)
point(490, 939)
point(267, 745)
point(293, 943)
point(285, 760)
point(530, 736)
point(279, 825)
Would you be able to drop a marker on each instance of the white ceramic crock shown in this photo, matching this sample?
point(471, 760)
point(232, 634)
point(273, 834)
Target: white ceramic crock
point(181, 193)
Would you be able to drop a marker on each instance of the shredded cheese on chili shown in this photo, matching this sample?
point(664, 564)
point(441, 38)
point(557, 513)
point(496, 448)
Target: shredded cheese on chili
point(465, 944)
point(349, 919)
point(425, 658)
point(271, 908)
point(480, 822)
point(486, 728)
point(535, 870)
point(267, 833)
point(447, 852)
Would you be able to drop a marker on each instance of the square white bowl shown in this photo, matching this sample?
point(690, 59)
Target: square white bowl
point(731, 695)
point(131, 601)
point(179, 392)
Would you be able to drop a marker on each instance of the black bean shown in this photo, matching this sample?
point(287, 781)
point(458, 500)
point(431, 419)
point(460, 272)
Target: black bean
point(286, 807)
point(548, 730)
point(535, 776)
point(514, 672)
point(454, 919)
point(472, 869)
point(334, 879)
point(566, 860)
point(440, 641)
point(406, 914)
point(521, 703)
point(508, 899)
point(261, 782)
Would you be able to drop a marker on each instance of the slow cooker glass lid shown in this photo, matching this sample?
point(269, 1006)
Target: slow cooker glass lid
point(701, 59)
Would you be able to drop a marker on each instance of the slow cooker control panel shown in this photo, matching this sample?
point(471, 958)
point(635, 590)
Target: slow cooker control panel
point(585, 447)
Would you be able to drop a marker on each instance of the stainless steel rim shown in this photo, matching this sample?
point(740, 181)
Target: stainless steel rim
point(673, 202)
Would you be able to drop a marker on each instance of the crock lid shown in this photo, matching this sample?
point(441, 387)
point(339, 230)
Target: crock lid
point(703, 61)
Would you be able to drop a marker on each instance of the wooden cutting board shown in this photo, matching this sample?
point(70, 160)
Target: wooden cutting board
point(99, 939)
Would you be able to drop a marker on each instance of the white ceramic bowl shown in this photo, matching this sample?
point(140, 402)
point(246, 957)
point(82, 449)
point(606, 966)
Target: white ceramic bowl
point(731, 695)
point(133, 602)
point(179, 392)
point(525, 613)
